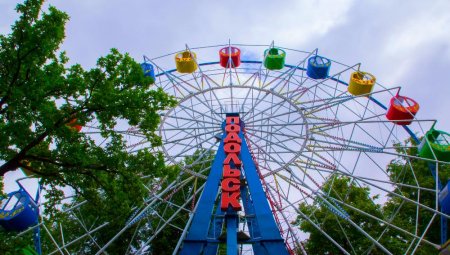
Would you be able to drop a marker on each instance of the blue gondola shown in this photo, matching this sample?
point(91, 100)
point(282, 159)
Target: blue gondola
point(18, 211)
point(318, 67)
point(148, 70)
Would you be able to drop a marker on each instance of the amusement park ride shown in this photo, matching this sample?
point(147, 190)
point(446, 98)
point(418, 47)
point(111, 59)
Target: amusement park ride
point(264, 136)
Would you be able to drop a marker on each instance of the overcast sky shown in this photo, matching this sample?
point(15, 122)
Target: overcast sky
point(402, 42)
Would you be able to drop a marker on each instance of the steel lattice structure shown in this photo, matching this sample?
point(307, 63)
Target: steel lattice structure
point(301, 132)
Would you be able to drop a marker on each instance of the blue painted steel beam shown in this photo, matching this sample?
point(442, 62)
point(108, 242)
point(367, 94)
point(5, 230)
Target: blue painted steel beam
point(214, 231)
point(196, 239)
point(270, 237)
point(252, 223)
point(232, 226)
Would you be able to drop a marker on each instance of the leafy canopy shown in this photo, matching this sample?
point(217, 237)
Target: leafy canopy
point(43, 101)
point(406, 215)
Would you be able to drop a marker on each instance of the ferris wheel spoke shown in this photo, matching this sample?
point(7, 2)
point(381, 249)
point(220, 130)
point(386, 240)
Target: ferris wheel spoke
point(279, 125)
point(203, 155)
point(249, 91)
point(384, 222)
point(396, 195)
point(168, 223)
point(264, 111)
point(307, 218)
point(409, 157)
point(187, 148)
point(346, 141)
point(305, 200)
point(207, 136)
point(253, 77)
point(326, 79)
point(274, 135)
point(323, 93)
point(212, 92)
point(168, 220)
point(207, 80)
point(287, 220)
point(315, 108)
point(175, 86)
point(79, 238)
point(169, 203)
point(328, 125)
point(132, 131)
point(312, 162)
point(139, 215)
point(292, 69)
point(132, 147)
point(372, 239)
point(254, 105)
point(182, 128)
point(330, 102)
point(370, 179)
point(88, 231)
point(293, 128)
point(125, 132)
point(269, 154)
point(190, 120)
point(291, 84)
point(347, 218)
point(345, 146)
point(192, 108)
point(174, 80)
point(172, 140)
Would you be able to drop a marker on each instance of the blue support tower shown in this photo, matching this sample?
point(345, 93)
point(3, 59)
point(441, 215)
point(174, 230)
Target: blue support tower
point(210, 224)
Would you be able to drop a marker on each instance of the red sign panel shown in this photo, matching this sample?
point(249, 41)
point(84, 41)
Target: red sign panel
point(231, 182)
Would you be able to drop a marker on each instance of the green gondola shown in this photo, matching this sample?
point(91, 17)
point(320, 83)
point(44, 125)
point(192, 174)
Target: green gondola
point(274, 58)
point(438, 142)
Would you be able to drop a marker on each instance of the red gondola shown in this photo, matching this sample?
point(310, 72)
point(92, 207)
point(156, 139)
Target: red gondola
point(230, 55)
point(402, 110)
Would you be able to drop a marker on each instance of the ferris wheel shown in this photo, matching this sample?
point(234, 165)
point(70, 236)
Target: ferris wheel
point(275, 131)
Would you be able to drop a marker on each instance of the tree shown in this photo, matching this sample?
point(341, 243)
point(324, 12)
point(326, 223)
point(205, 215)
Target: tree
point(43, 102)
point(399, 212)
point(166, 241)
point(400, 171)
point(343, 189)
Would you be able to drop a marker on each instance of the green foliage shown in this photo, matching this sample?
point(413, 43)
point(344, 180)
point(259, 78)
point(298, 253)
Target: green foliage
point(399, 171)
point(396, 210)
point(167, 240)
point(40, 96)
point(2, 194)
point(9, 245)
point(347, 191)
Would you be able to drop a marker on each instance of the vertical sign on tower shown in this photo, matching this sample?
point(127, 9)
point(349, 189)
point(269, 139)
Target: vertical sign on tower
point(231, 182)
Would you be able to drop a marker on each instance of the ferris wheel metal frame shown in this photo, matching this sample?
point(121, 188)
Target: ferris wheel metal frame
point(301, 132)
point(335, 77)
